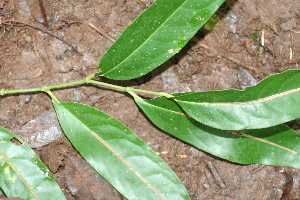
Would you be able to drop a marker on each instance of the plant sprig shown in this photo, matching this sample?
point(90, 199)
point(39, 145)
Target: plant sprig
point(242, 126)
point(86, 80)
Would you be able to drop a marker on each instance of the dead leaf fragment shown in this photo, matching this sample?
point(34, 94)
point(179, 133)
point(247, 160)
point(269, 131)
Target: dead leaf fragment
point(38, 11)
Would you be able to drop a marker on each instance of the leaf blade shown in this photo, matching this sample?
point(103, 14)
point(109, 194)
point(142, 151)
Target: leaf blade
point(124, 155)
point(22, 172)
point(276, 145)
point(156, 35)
point(264, 105)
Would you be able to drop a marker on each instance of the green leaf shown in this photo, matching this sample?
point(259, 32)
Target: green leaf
point(117, 154)
point(213, 22)
point(276, 145)
point(253, 36)
point(275, 100)
point(155, 36)
point(22, 172)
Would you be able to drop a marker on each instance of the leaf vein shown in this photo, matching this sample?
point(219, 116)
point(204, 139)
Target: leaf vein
point(19, 175)
point(127, 164)
point(240, 133)
point(258, 100)
point(136, 50)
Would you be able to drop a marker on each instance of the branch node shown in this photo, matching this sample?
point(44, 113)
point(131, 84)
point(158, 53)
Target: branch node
point(45, 88)
point(51, 95)
point(88, 78)
point(2, 92)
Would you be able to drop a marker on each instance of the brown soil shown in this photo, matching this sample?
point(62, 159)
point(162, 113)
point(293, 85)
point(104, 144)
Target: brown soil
point(226, 57)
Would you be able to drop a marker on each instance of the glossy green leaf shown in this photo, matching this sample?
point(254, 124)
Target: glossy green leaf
point(117, 154)
point(275, 100)
point(156, 35)
point(22, 172)
point(278, 145)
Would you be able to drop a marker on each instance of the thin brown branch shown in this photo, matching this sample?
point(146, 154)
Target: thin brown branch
point(215, 174)
point(16, 23)
point(101, 32)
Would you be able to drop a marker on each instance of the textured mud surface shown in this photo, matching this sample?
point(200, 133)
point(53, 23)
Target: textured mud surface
point(226, 57)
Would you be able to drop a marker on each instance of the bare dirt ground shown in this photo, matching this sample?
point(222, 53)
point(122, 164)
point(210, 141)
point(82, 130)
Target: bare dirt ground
point(226, 57)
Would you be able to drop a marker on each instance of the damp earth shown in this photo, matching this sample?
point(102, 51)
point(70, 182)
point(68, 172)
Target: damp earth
point(230, 55)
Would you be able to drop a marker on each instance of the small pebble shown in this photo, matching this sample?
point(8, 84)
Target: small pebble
point(231, 18)
point(62, 57)
point(54, 17)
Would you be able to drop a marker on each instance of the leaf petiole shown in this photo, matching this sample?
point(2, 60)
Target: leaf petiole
point(134, 95)
point(50, 94)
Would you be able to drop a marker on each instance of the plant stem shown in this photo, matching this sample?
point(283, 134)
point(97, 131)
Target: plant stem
point(87, 80)
point(43, 88)
point(108, 85)
point(65, 84)
point(132, 89)
point(4, 91)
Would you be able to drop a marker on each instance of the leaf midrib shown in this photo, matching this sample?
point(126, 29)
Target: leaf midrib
point(146, 39)
point(239, 133)
point(19, 175)
point(246, 102)
point(118, 156)
point(242, 134)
